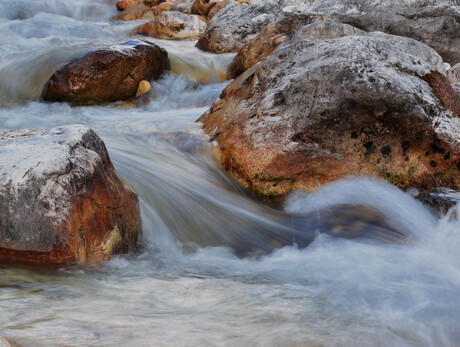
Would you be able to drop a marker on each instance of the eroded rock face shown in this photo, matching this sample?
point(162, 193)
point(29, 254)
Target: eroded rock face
point(61, 199)
point(317, 110)
point(173, 25)
point(277, 33)
point(235, 25)
point(106, 75)
point(433, 22)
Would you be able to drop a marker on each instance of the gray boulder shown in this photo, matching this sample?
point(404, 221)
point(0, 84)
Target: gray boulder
point(433, 22)
point(237, 24)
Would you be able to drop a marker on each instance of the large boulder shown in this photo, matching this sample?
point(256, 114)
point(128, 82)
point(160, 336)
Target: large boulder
point(173, 25)
point(294, 26)
point(62, 200)
point(433, 22)
point(235, 25)
point(106, 75)
point(320, 109)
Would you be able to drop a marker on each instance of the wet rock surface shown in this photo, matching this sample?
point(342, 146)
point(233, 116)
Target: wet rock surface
point(317, 110)
point(106, 75)
point(301, 27)
point(433, 22)
point(441, 200)
point(62, 200)
point(236, 24)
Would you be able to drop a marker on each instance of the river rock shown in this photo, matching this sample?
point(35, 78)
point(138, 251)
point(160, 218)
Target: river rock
point(173, 25)
point(219, 6)
point(319, 109)
point(454, 78)
point(140, 11)
point(164, 6)
point(276, 33)
point(235, 25)
point(441, 200)
point(433, 22)
point(266, 42)
point(106, 75)
point(202, 7)
point(62, 200)
point(125, 4)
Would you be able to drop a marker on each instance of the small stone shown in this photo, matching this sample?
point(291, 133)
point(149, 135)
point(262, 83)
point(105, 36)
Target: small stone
point(144, 87)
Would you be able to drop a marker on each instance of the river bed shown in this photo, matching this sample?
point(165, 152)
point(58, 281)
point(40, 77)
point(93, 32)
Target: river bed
point(334, 292)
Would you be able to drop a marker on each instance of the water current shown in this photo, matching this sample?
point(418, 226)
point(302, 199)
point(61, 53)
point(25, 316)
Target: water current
point(213, 268)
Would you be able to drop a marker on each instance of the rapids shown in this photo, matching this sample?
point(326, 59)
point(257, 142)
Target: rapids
point(215, 267)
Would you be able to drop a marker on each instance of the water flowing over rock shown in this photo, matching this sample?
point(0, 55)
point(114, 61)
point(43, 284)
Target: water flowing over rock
point(276, 33)
point(320, 109)
point(433, 22)
point(62, 200)
point(235, 25)
point(106, 75)
point(173, 25)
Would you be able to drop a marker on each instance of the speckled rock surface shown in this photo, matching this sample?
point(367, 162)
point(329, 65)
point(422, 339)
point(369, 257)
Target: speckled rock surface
point(276, 33)
point(106, 75)
point(173, 25)
point(454, 78)
point(433, 22)
point(320, 109)
point(61, 199)
point(236, 24)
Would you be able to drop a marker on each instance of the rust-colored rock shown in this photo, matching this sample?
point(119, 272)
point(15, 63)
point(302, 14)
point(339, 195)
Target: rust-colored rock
point(319, 109)
point(202, 7)
point(172, 26)
point(64, 203)
point(266, 42)
point(134, 13)
point(125, 4)
point(164, 6)
point(106, 75)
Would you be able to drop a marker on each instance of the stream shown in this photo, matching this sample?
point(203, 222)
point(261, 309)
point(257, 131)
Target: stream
point(187, 285)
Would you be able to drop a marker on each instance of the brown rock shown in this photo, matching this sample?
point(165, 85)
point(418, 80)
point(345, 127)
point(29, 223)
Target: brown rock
point(173, 25)
point(151, 3)
point(202, 7)
point(140, 11)
point(164, 6)
point(235, 25)
point(106, 75)
point(65, 203)
point(125, 4)
point(266, 42)
point(317, 110)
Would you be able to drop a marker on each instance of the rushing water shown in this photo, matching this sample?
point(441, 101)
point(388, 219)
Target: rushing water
point(175, 291)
